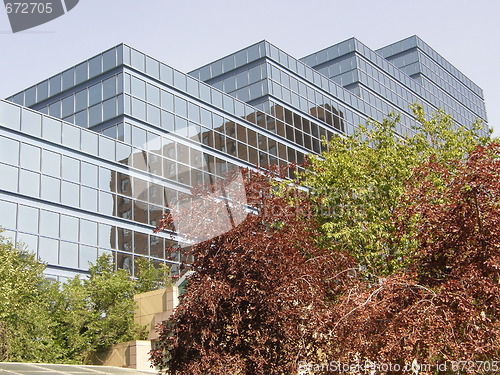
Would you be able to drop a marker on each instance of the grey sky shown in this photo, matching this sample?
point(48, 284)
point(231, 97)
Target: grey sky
point(188, 34)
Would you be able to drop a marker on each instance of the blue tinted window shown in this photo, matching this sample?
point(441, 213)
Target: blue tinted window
point(68, 79)
point(95, 115)
point(42, 91)
point(55, 85)
point(109, 59)
point(109, 88)
point(68, 105)
point(81, 73)
point(95, 95)
point(95, 66)
point(81, 100)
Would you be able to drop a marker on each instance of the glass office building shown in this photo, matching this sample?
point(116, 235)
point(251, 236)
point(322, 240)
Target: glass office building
point(91, 158)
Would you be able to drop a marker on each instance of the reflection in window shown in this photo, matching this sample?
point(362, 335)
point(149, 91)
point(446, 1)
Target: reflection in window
point(141, 243)
point(28, 242)
point(88, 255)
point(106, 236)
point(106, 203)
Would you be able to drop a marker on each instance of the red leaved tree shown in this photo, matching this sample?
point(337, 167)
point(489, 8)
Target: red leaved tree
point(446, 306)
point(259, 291)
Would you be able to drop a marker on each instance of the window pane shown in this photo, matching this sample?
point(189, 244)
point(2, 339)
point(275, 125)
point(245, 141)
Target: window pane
point(51, 163)
point(95, 95)
point(9, 151)
point(106, 203)
point(81, 100)
point(68, 105)
point(51, 189)
point(48, 250)
point(70, 169)
point(29, 183)
point(71, 136)
point(69, 228)
point(89, 175)
point(87, 255)
point(89, 199)
point(31, 123)
point(70, 194)
point(10, 115)
point(68, 256)
point(106, 236)
point(28, 241)
point(88, 232)
point(27, 220)
point(89, 142)
point(8, 215)
point(30, 157)
point(52, 130)
point(49, 224)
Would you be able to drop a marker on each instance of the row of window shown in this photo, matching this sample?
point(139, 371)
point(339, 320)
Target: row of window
point(91, 105)
point(73, 242)
point(71, 77)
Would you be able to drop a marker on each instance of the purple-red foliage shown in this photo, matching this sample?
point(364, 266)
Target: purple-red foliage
point(259, 291)
point(445, 307)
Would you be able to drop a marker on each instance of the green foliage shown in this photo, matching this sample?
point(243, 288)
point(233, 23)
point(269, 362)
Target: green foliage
point(98, 310)
point(44, 321)
point(26, 308)
point(360, 179)
point(149, 277)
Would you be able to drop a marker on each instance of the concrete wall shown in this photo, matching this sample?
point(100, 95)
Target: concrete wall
point(152, 308)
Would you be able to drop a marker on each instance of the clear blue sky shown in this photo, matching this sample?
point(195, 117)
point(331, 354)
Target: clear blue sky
point(187, 34)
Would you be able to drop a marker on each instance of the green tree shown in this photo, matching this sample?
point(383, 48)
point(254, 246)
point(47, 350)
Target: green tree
point(44, 321)
point(98, 311)
point(27, 304)
point(150, 277)
point(361, 178)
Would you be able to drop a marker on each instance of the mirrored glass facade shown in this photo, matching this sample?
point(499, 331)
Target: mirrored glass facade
point(92, 157)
